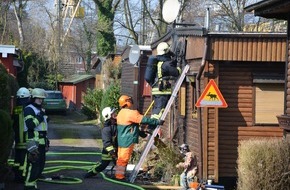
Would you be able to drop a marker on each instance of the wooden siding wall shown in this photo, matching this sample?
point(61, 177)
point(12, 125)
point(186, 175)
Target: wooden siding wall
point(288, 75)
point(195, 47)
point(247, 47)
point(235, 123)
point(191, 130)
point(129, 75)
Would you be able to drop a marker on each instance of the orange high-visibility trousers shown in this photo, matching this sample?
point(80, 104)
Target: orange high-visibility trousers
point(124, 155)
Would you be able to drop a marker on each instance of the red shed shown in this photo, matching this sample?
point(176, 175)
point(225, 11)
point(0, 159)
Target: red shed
point(74, 88)
point(10, 57)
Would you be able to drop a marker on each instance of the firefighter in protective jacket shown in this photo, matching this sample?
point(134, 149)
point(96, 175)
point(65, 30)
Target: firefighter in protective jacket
point(161, 89)
point(35, 129)
point(23, 97)
point(128, 121)
point(109, 138)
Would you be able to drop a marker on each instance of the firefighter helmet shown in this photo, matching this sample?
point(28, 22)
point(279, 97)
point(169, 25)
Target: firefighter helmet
point(125, 100)
point(107, 113)
point(23, 93)
point(162, 48)
point(38, 93)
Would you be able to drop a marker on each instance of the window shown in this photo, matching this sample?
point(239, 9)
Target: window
point(269, 100)
point(79, 60)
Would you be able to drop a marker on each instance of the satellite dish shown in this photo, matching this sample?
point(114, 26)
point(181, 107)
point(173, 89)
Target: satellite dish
point(170, 10)
point(134, 54)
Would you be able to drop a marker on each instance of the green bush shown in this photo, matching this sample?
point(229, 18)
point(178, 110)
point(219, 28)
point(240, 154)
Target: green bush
point(111, 96)
point(8, 86)
point(92, 103)
point(264, 164)
point(6, 136)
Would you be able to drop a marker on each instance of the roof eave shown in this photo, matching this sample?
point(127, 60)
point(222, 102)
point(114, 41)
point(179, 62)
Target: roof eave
point(279, 9)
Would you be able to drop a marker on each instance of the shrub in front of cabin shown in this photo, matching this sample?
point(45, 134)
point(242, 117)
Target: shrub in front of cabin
point(264, 164)
point(111, 96)
point(8, 86)
point(92, 103)
point(6, 136)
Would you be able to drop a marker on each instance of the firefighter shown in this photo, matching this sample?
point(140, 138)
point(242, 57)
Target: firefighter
point(189, 167)
point(109, 138)
point(23, 98)
point(35, 129)
point(128, 121)
point(161, 89)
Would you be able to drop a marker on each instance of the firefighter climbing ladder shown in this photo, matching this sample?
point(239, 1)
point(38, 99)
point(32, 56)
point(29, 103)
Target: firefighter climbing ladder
point(166, 110)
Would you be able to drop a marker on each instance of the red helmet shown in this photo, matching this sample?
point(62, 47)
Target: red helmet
point(125, 101)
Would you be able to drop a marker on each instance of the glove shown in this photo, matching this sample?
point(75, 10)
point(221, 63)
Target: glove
point(113, 154)
point(142, 134)
point(160, 122)
point(160, 86)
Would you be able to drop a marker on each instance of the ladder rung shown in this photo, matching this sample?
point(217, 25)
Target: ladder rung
point(151, 139)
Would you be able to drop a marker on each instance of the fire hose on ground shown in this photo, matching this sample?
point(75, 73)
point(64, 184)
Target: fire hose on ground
point(73, 165)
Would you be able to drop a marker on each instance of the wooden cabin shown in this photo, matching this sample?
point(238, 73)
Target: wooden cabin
point(248, 69)
point(249, 72)
point(11, 58)
point(278, 9)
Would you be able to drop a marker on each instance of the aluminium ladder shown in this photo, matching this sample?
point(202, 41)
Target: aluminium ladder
point(166, 110)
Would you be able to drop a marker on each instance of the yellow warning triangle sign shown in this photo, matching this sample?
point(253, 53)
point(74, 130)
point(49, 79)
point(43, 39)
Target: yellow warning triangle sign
point(211, 97)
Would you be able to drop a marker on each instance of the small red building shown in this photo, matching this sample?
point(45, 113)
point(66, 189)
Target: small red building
point(74, 88)
point(10, 57)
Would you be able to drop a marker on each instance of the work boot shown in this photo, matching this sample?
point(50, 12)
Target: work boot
point(89, 174)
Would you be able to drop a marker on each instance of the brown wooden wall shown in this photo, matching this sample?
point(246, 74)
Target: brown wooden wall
point(128, 76)
point(247, 47)
point(288, 76)
point(131, 73)
point(235, 123)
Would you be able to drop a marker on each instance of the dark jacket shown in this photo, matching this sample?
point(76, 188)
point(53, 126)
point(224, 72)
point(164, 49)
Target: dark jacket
point(109, 137)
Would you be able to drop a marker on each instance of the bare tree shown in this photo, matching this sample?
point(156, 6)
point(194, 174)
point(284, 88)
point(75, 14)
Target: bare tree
point(230, 12)
point(4, 8)
point(19, 10)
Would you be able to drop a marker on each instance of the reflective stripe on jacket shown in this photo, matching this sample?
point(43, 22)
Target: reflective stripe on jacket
point(39, 126)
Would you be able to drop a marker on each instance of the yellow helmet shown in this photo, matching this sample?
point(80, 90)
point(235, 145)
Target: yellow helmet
point(38, 93)
point(125, 100)
point(162, 48)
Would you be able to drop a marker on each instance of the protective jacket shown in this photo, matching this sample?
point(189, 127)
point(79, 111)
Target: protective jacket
point(166, 68)
point(128, 126)
point(35, 131)
point(20, 143)
point(109, 138)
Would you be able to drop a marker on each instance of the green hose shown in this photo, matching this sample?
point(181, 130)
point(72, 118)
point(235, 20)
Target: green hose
point(85, 166)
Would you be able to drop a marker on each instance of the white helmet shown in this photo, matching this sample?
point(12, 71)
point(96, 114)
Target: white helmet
point(38, 93)
point(23, 93)
point(107, 112)
point(162, 48)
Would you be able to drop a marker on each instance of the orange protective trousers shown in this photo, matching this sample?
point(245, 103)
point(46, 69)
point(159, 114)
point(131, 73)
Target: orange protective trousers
point(124, 155)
